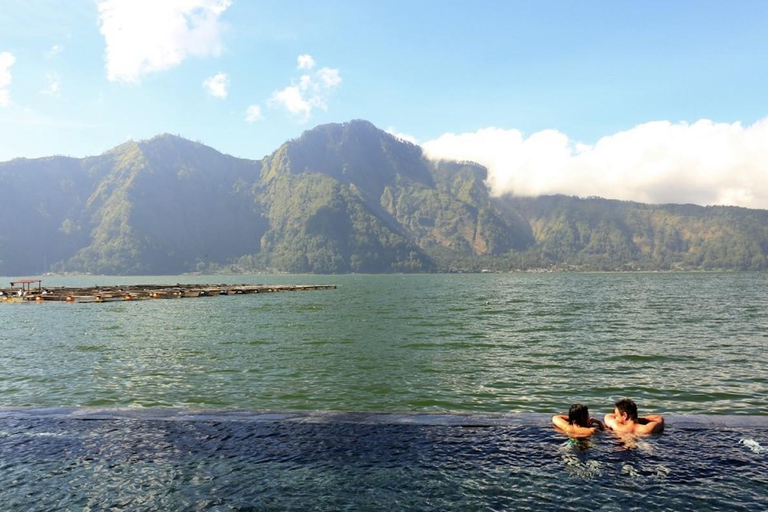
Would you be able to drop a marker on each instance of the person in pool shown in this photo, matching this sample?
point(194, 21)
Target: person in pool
point(578, 422)
point(624, 420)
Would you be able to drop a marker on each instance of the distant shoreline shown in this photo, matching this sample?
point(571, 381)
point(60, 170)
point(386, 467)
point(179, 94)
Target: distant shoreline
point(277, 273)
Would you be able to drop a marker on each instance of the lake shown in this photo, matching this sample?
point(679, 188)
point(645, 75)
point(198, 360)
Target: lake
point(443, 386)
point(683, 343)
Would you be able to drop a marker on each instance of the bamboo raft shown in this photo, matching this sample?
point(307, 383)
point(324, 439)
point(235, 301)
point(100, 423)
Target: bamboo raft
point(141, 292)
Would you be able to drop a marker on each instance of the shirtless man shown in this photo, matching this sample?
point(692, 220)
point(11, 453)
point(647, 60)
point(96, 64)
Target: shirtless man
point(624, 420)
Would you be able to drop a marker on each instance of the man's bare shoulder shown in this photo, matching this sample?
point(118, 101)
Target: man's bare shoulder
point(652, 424)
point(612, 423)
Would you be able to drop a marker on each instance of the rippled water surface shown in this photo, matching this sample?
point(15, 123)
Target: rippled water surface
point(681, 342)
point(484, 344)
point(136, 464)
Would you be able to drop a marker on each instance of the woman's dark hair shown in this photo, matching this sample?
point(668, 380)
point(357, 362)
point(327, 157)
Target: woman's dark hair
point(578, 415)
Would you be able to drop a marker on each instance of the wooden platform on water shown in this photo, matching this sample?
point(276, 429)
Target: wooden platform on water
point(147, 291)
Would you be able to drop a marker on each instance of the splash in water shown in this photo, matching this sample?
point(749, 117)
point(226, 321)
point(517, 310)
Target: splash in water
point(573, 453)
point(753, 445)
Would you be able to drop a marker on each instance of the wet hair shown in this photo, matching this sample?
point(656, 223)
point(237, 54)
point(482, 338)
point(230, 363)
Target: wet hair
point(627, 406)
point(578, 415)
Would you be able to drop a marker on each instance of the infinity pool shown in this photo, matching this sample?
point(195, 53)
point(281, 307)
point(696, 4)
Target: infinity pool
point(180, 459)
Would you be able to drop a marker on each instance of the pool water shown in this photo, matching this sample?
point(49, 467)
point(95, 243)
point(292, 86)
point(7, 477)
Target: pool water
point(177, 459)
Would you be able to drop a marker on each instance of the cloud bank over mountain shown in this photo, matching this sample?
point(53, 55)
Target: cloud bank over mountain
point(703, 163)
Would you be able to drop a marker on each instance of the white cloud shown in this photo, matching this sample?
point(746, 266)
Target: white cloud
point(54, 85)
point(253, 113)
point(305, 62)
point(329, 77)
point(656, 162)
point(217, 85)
point(311, 92)
point(6, 61)
point(402, 136)
point(143, 36)
point(54, 51)
point(292, 100)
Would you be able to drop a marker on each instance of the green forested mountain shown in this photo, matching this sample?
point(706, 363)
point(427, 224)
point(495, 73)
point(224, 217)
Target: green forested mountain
point(601, 234)
point(340, 198)
point(353, 198)
point(158, 206)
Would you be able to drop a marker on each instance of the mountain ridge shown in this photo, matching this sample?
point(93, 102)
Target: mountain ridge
point(343, 197)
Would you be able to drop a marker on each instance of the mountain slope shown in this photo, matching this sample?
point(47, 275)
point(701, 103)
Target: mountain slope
point(604, 234)
point(442, 209)
point(167, 204)
point(340, 198)
point(42, 202)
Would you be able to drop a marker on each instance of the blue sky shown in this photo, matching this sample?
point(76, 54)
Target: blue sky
point(542, 78)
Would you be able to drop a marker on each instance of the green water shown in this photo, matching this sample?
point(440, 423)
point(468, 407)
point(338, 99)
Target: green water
point(681, 343)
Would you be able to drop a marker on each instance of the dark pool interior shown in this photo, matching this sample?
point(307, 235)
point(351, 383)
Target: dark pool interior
point(82, 459)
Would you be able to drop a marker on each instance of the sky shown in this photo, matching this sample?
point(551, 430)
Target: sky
point(651, 101)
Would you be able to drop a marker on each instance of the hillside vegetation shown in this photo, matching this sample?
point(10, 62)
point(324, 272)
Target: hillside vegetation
point(340, 198)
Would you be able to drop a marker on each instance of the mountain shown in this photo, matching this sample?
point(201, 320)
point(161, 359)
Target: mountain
point(42, 205)
point(340, 198)
point(602, 234)
point(350, 197)
point(157, 206)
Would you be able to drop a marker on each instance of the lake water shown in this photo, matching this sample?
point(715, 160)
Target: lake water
point(500, 345)
point(685, 343)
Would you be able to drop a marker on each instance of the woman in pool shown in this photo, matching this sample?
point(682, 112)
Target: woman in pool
point(578, 423)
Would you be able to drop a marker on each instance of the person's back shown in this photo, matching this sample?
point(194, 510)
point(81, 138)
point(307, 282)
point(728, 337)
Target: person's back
point(624, 420)
point(577, 423)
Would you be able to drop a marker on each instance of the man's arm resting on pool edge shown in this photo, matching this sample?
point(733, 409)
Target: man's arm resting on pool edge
point(653, 423)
